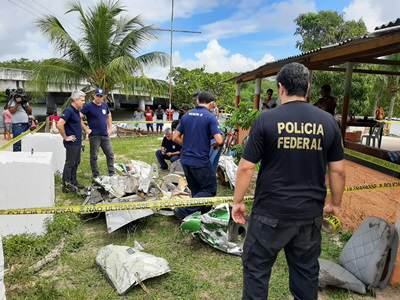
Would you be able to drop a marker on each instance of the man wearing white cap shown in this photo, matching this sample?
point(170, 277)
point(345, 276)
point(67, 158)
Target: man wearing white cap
point(70, 127)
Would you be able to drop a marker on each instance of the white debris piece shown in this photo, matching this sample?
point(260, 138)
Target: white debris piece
point(26, 180)
point(126, 266)
point(46, 142)
point(227, 164)
point(2, 288)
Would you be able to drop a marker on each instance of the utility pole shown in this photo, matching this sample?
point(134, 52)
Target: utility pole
point(171, 30)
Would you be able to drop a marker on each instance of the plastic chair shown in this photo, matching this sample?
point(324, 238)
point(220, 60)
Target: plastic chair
point(373, 136)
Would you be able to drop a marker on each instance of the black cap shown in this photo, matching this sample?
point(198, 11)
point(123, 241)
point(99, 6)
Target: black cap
point(205, 97)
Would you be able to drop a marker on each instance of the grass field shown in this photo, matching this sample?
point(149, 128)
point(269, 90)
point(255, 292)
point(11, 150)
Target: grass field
point(198, 271)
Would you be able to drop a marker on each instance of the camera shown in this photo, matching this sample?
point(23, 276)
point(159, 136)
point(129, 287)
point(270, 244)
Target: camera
point(19, 93)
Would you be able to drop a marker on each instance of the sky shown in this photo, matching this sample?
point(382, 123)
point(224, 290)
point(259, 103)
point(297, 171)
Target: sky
point(236, 35)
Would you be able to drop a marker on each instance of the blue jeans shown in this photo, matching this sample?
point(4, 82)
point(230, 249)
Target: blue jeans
point(161, 159)
point(17, 129)
point(214, 158)
point(202, 182)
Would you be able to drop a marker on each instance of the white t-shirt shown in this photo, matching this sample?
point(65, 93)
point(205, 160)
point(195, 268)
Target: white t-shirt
point(20, 116)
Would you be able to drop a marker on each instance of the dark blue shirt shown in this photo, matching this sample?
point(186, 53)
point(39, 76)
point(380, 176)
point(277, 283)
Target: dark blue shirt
point(198, 126)
point(73, 124)
point(97, 116)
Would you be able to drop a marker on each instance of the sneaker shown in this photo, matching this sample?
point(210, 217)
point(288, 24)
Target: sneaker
point(80, 186)
point(69, 188)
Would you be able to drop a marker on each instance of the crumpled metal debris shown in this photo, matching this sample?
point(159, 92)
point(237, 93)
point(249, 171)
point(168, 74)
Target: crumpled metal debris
point(127, 267)
point(228, 166)
point(135, 181)
point(217, 229)
point(118, 219)
point(2, 288)
point(176, 168)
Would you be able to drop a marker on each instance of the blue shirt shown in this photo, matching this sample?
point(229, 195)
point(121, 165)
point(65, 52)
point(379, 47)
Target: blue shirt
point(73, 124)
point(198, 126)
point(97, 116)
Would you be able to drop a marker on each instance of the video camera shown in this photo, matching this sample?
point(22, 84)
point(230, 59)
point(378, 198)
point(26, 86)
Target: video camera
point(14, 94)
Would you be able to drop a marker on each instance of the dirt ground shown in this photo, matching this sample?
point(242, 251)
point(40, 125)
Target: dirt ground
point(356, 206)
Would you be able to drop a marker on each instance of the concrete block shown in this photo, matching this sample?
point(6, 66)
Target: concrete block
point(26, 181)
point(46, 142)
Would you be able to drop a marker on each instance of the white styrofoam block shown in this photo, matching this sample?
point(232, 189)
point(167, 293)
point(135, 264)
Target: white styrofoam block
point(26, 181)
point(2, 288)
point(46, 142)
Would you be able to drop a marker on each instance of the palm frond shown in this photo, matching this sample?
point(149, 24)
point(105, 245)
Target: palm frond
point(153, 58)
point(131, 42)
point(64, 43)
point(123, 26)
point(57, 72)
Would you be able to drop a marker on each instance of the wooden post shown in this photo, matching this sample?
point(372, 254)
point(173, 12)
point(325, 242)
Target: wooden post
point(310, 87)
point(237, 96)
point(346, 97)
point(257, 93)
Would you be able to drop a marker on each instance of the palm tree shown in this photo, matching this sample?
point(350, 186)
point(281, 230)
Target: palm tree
point(107, 55)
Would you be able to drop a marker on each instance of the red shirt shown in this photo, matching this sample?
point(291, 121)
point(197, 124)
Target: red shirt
point(55, 118)
point(170, 114)
point(149, 115)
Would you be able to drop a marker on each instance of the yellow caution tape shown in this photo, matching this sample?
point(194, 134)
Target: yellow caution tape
point(331, 223)
point(374, 160)
point(21, 136)
point(388, 122)
point(161, 204)
point(142, 122)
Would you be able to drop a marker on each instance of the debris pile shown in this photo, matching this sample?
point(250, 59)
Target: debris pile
point(129, 266)
point(217, 229)
point(226, 170)
point(136, 181)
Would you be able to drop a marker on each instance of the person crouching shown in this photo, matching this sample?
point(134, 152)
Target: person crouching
point(169, 150)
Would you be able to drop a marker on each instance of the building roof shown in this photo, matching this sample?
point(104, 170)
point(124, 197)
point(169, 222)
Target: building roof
point(384, 41)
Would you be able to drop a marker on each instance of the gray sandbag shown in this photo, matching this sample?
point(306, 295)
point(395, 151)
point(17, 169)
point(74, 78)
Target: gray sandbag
point(126, 266)
point(365, 254)
point(332, 274)
point(2, 288)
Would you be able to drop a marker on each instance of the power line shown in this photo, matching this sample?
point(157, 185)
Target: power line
point(24, 8)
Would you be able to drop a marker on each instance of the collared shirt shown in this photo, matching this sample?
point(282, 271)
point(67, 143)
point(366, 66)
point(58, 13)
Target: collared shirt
point(294, 143)
point(73, 124)
point(97, 116)
point(198, 127)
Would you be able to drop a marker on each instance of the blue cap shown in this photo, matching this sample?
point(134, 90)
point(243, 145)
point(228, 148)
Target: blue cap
point(99, 92)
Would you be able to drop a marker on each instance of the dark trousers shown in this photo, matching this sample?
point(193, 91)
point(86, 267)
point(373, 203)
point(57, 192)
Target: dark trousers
point(301, 241)
point(202, 182)
point(17, 129)
point(72, 160)
point(149, 126)
point(161, 159)
point(159, 126)
point(104, 142)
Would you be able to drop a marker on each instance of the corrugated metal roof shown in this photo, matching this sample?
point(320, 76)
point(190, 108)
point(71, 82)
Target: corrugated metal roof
point(387, 29)
point(388, 25)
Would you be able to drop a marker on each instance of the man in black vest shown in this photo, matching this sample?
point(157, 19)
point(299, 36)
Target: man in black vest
point(294, 143)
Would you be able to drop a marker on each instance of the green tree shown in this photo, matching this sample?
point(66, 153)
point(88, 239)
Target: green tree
point(107, 55)
point(325, 27)
point(187, 82)
point(22, 63)
point(328, 27)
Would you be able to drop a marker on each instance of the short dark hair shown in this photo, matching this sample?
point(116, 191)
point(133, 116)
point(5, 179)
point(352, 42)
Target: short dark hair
point(205, 98)
point(174, 124)
point(326, 88)
point(295, 78)
point(270, 90)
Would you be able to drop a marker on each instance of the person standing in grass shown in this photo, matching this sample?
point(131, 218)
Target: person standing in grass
point(159, 118)
point(294, 142)
point(195, 131)
point(70, 127)
point(99, 119)
point(149, 115)
point(7, 121)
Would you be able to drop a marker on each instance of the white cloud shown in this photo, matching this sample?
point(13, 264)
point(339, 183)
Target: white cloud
point(214, 58)
point(374, 13)
point(277, 17)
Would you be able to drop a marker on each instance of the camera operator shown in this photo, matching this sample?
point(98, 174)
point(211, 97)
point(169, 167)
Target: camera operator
point(20, 110)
